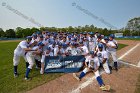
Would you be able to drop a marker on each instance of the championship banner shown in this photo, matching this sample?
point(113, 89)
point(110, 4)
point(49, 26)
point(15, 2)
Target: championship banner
point(67, 64)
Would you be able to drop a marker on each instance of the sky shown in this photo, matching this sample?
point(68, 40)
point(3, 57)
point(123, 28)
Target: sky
point(64, 13)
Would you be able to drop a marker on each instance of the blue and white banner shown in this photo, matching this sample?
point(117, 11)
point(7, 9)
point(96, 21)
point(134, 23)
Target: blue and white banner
point(67, 64)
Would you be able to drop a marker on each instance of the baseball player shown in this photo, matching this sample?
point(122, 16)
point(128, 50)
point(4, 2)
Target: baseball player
point(103, 58)
point(112, 46)
point(31, 56)
point(71, 50)
point(91, 40)
point(47, 52)
point(92, 64)
point(83, 49)
point(21, 50)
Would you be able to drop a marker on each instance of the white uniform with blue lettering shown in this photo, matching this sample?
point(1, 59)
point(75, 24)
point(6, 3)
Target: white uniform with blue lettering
point(112, 51)
point(46, 53)
point(91, 43)
point(93, 63)
point(104, 55)
point(84, 50)
point(19, 51)
point(31, 57)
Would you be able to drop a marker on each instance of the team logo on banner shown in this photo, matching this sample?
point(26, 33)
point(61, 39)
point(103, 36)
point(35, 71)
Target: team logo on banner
point(64, 64)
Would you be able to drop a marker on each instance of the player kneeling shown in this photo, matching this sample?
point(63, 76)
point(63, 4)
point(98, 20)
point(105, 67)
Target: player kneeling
point(92, 64)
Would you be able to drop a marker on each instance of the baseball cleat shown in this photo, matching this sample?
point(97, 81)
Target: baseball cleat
point(105, 88)
point(116, 68)
point(41, 72)
point(27, 79)
point(76, 77)
point(15, 75)
point(110, 67)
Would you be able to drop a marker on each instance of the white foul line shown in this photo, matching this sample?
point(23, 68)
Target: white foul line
point(88, 82)
point(128, 51)
point(138, 64)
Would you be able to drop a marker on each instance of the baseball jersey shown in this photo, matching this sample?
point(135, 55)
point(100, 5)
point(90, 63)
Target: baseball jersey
point(30, 53)
point(111, 43)
point(84, 50)
point(101, 55)
point(92, 62)
point(72, 51)
point(20, 48)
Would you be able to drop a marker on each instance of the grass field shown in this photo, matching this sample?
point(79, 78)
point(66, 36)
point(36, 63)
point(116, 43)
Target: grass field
point(9, 84)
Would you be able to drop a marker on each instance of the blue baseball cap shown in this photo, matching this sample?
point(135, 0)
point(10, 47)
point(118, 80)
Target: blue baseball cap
point(92, 52)
point(112, 36)
point(100, 45)
point(48, 48)
point(91, 33)
point(40, 44)
point(106, 38)
point(29, 38)
point(41, 36)
point(64, 45)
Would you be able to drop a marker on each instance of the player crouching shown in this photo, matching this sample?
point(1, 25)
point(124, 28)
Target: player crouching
point(31, 56)
point(92, 64)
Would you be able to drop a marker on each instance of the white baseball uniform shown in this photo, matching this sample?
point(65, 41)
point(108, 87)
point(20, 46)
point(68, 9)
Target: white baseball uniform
point(104, 55)
point(93, 63)
point(19, 51)
point(31, 57)
point(112, 51)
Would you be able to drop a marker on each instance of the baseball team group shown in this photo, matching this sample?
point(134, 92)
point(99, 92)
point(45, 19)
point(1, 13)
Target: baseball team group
point(96, 48)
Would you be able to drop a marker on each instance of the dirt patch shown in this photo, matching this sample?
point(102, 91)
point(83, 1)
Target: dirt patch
point(10, 40)
point(123, 81)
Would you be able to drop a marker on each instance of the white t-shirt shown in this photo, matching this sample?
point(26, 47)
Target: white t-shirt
point(101, 55)
point(20, 48)
point(93, 62)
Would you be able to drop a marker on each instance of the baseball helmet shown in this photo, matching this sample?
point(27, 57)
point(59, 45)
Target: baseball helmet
point(40, 44)
point(92, 52)
point(38, 33)
point(99, 35)
point(106, 38)
point(91, 33)
point(29, 38)
point(64, 45)
point(48, 48)
point(112, 36)
point(100, 45)
point(41, 36)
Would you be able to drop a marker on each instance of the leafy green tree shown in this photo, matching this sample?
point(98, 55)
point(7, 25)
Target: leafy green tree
point(10, 33)
point(19, 32)
point(2, 33)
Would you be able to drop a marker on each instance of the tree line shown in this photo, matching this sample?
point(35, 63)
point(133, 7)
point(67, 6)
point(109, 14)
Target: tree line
point(23, 32)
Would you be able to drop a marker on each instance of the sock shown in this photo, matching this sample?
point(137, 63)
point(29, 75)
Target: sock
point(27, 64)
point(82, 75)
point(27, 72)
point(100, 81)
point(15, 69)
point(115, 64)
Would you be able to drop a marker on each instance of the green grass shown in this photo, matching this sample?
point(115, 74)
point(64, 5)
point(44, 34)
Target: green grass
point(9, 84)
point(121, 46)
point(137, 39)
